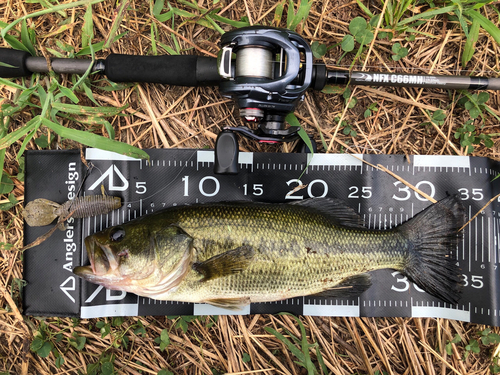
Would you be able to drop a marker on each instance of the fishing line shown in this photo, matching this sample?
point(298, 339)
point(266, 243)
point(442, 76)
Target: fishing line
point(166, 186)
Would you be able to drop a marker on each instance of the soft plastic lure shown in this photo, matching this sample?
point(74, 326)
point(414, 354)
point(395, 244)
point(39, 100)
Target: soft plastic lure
point(40, 212)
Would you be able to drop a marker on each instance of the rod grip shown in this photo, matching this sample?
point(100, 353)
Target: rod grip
point(13, 63)
point(182, 70)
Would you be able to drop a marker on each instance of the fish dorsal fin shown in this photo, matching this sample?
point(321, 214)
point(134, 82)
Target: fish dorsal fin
point(349, 287)
point(225, 264)
point(335, 209)
point(229, 303)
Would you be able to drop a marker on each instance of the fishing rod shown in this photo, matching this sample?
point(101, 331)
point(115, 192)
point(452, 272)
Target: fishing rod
point(265, 70)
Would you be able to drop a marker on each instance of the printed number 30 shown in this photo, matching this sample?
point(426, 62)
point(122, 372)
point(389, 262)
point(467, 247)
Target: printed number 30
point(403, 280)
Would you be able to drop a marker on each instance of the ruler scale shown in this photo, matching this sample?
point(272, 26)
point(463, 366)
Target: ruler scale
point(177, 177)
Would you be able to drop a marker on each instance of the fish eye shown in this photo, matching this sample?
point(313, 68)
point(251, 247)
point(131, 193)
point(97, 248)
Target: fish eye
point(117, 234)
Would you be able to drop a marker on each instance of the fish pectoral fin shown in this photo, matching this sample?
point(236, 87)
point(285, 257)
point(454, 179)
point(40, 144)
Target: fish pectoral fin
point(229, 303)
point(350, 287)
point(225, 264)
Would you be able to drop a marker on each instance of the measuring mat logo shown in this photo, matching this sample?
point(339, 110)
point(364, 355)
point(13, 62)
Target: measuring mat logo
point(69, 285)
point(111, 181)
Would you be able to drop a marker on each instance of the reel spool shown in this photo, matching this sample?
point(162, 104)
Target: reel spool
point(266, 71)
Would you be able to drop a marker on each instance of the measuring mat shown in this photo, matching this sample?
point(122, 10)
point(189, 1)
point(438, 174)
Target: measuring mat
point(177, 177)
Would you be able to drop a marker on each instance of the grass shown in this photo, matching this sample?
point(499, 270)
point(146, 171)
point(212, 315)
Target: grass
point(61, 112)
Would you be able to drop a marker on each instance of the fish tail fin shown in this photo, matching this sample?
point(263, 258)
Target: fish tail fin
point(433, 237)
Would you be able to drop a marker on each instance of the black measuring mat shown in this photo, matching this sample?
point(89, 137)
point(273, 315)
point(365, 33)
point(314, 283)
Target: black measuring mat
point(177, 177)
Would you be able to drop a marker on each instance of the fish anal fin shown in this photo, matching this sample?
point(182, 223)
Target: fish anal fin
point(350, 287)
point(225, 264)
point(229, 303)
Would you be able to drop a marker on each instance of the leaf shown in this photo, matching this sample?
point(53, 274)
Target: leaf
point(93, 140)
point(294, 19)
point(245, 357)
point(230, 22)
point(88, 27)
point(6, 185)
point(59, 361)
point(164, 336)
point(318, 50)
point(36, 344)
point(474, 112)
point(78, 342)
point(12, 202)
point(449, 349)
point(483, 97)
point(364, 38)
point(357, 26)
point(68, 93)
point(88, 111)
point(278, 13)
point(56, 8)
point(485, 23)
point(347, 44)
point(107, 368)
point(16, 44)
point(45, 350)
point(470, 44)
point(158, 7)
point(25, 37)
point(42, 141)
point(291, 347)
point(183, 325)
point(120, 13)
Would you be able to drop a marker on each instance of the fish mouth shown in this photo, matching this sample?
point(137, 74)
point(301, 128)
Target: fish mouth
point(101, 258)
point(103, 268)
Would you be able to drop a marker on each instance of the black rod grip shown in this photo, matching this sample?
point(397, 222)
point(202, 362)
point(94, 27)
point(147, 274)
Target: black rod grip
point(13, 63)
point(182, 70)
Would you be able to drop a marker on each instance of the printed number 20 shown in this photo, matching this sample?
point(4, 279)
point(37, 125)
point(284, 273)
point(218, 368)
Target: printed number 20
point(309, 189)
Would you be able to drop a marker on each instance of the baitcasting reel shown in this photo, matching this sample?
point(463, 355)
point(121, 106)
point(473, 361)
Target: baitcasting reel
point(266, 71)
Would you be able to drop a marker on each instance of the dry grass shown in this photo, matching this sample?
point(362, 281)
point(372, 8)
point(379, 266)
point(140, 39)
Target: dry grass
point(160, 116)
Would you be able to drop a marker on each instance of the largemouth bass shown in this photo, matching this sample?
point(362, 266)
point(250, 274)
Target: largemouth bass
point(232, 254)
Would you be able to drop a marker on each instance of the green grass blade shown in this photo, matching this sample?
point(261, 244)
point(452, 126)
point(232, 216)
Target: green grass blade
point(217, 27)
point(94, 140)
point(485, 23)
point(6, 82)
point(25, 37)
point(427, 14)
point(293, 121)
point(56, 8)
point(364, 9)
point(88, 27)
point(295, 351)
point(18, 134)
point(470, 44)
point(66, 92)
point(158, 7)
point(16, 44)
point(230, 22)
point(88, 111)
point(116, 23)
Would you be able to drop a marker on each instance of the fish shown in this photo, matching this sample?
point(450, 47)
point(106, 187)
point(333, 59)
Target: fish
point(231, 254)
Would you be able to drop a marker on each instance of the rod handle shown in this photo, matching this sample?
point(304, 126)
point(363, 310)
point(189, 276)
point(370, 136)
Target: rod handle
point(13, 63)
point(181, 70)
